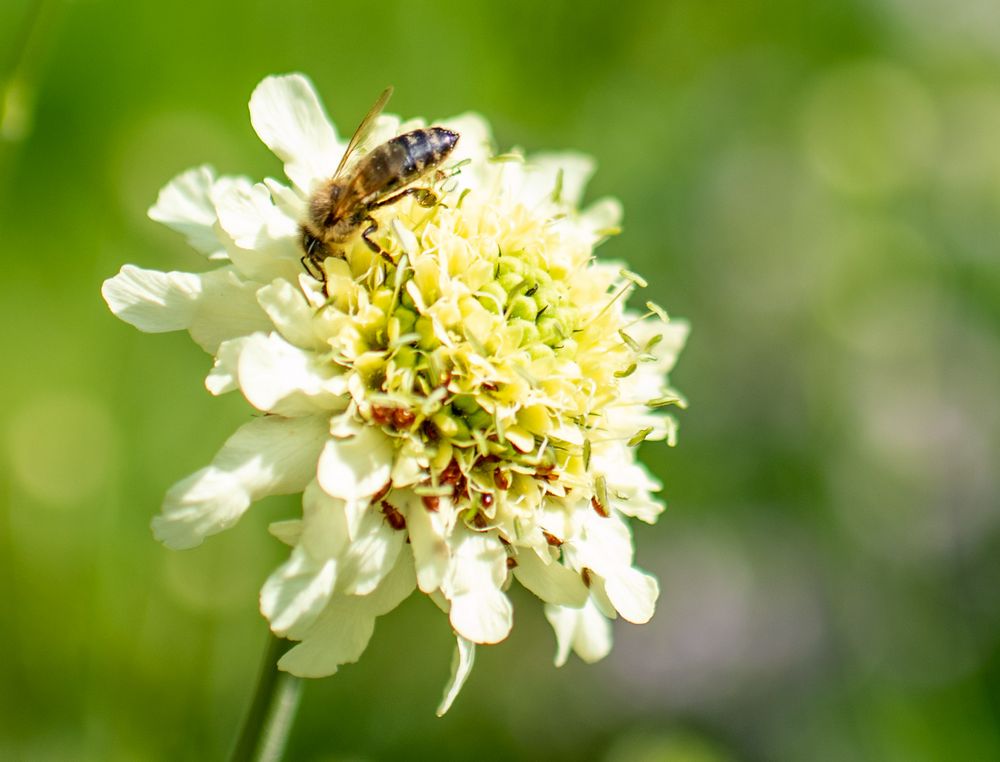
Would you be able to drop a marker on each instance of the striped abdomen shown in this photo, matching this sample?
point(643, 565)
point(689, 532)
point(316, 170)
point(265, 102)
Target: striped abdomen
point(398, 162)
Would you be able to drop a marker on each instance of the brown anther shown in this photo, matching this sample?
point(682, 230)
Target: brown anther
point(430, 431)
point(601, 510)
point(501, 479)
point(452, 473)
point(585, 574)
point(551, 539)
point(479, 520)
point(489, 386)
point(403, 418)
point(486, 499)
point(546, 473)
point(382, 415)
point(392, 515)
point(431, 502)
point(511, 562)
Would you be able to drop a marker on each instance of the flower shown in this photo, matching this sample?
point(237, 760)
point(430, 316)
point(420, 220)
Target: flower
point(458, 414)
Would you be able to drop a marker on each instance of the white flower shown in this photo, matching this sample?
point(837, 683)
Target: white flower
point(464, 415)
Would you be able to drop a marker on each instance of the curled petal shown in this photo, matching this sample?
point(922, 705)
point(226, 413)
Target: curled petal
point(268, 456)
point(461, 667)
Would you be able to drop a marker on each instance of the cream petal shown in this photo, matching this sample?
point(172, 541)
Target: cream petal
point(291, 314)
point(324, 523)
point(479, 609)
point(633, 593)
point(371, 554)
point(267, 456)
point(552, 582)
point(356, 467)
point(222, 378)
point(583, 630)
point(341, 632)
point(461, 667)
point(277, 377)
point(289, 118)
point(295, 594)
point(567, 172)
point(261, 240)
point(430, 549)
point(288, 531)
point(483, 616)
point(213, 306)
point(185, 205)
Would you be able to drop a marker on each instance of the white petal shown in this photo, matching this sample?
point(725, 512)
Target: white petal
point(185, 205)
point(261, 240)
point(267, 456)
point(553, 582)
point(288, 531)
point(356, 467)
point(482, 616)
point(461, 666)
point(324, 524)
point(371, 554)
point(223, 376)
point(213, 306)
point(633, 593)
point(287, 115)
point(431, 553)
point(479, 609)
point(343, 629)
point(295, 594)
point(584, 630)
point(290, 312)
point(567, 172)
point(278, 377)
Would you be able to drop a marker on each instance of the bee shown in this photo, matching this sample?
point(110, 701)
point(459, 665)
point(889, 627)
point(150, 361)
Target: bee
point(344, 204)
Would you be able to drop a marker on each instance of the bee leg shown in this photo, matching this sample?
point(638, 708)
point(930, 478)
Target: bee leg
point(372, 244)
point(425, 197)
point(312, 267)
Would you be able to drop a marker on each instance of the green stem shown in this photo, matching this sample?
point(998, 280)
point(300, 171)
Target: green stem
point(272, 711)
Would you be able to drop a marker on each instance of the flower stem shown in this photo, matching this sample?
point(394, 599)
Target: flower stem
point(272, 711)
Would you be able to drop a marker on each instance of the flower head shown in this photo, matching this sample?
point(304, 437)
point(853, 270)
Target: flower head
point(459, 410)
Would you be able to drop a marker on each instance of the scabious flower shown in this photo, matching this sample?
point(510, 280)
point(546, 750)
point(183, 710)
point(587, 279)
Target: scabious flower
point(458, 418)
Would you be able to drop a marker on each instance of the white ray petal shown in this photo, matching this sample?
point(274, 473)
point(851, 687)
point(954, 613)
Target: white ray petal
point(342, 631)
point(213, 306)
point(267, 456)
point(185, 205)
point(356, 467)
point(288, 116)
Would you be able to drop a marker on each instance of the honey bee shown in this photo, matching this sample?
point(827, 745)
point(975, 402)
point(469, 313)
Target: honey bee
point(345, 202)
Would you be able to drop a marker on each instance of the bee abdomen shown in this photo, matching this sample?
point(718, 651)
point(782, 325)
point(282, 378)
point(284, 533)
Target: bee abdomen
point(423, 149)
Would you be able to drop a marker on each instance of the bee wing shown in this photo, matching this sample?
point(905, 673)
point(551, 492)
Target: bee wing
point(363, 128)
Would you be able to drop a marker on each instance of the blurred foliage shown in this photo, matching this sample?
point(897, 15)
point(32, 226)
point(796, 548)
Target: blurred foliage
point(816, 186)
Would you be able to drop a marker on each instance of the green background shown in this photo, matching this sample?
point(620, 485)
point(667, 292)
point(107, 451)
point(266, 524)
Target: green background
point(816, 186)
